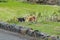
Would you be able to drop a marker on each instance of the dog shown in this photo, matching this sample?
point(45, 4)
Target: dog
point(21, 19)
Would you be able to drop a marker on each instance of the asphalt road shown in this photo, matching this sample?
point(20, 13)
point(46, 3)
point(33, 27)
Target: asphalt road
point(7, 35)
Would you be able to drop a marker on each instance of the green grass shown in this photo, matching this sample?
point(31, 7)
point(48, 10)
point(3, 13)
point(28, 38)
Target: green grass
point(10, 10)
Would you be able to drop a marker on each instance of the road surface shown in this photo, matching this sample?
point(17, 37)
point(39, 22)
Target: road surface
point(7, 35)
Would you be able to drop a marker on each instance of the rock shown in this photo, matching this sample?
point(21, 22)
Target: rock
point(3, 25)
point(17, 28)
point(30, 32)
point(23, 30)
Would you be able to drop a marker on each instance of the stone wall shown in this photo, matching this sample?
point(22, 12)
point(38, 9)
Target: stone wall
point(51, 2)
point(58, 2)
point(43, 1)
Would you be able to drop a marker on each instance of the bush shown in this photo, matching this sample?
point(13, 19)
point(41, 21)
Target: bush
point(3, 0)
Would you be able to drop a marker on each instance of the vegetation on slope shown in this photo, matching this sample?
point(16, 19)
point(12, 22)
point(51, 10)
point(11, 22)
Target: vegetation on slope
point(10, 10)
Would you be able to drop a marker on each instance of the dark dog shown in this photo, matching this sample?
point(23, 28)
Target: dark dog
point(21, 19)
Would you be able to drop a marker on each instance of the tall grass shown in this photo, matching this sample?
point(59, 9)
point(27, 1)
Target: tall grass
point(10, 10)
